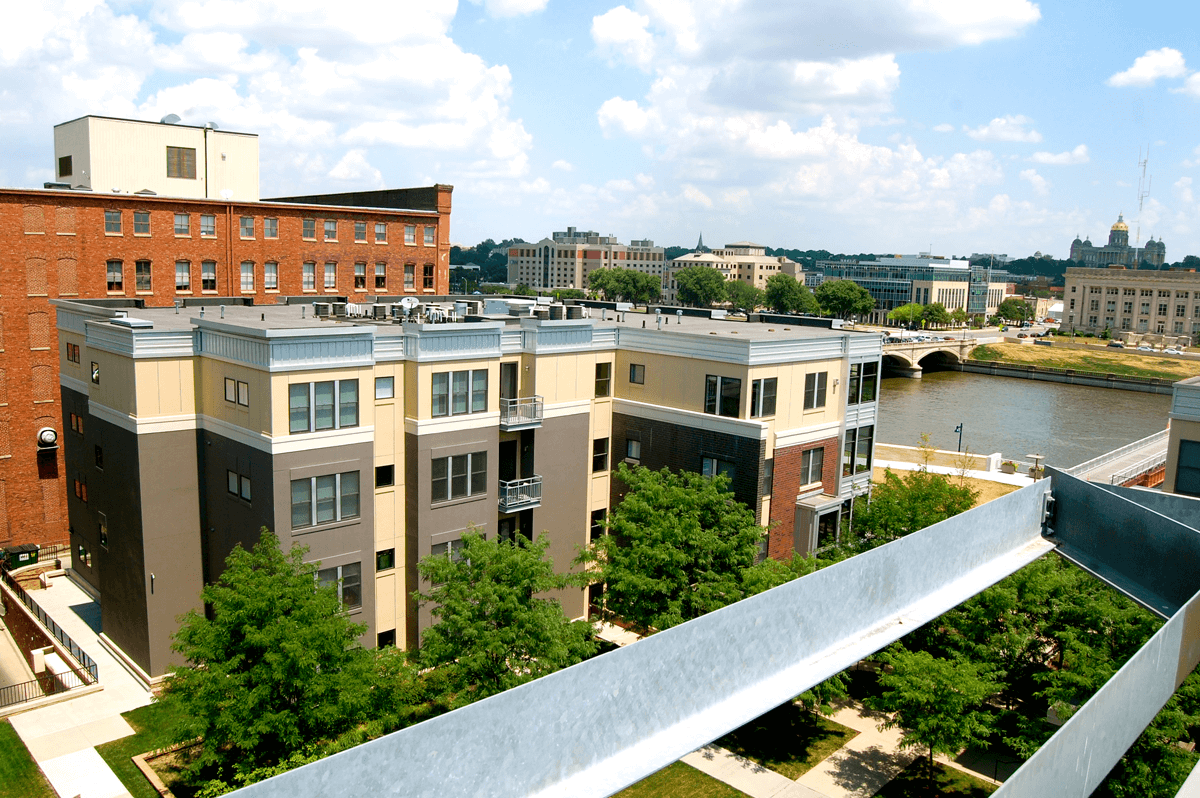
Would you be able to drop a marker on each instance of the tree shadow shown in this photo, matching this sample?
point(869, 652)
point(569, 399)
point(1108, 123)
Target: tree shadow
point(865, 771)
point(786, 739)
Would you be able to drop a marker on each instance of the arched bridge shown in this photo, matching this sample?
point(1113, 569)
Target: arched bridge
point(907, 358)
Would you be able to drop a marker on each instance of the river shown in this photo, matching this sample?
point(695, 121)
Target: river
point(1067, 423)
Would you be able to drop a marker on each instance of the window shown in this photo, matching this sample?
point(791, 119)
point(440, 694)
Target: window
point(141, 223)
point(459, 392)
point(76, 423)
point(81, 488)
point(64, 166)
point(863, 382)
point(360, 231)
point(316, 406)
point(385, 476)
point(183, 224)
point(181, 162)
point(322, 500)
point(270, 228)
point(237, 392)
point(112, 222)
point(141, 275)
point(271, 276)
point(458, 477)
point(1145, 309)
point(812, 465)
point(348, 581)
point(73, 353)
point(856, 458)
point(238, 485)
point(360, 276)
point(330, 276)
point(247, 275)
point(637, 373)
point(309, 278)
point(381, 276)
point(84, 556)
point(183, 275)
point(768, 478)
point(1162, 308)
point(430, 236)
point(99, 455)
point(603, 379)
point(722, 396)
point(115, 275)
point(814, 390)
point(1127, 307)
point(102, 519)
point(409, 278)
point(410, 234)
point(1180, 311)
point(380, 232)
point(246, 227)
point(1095, 304)
point(428, 282)
point(633, 449)
point(711, 466)
point(385, 559)
point(762, 397)
point(599, 455)
point(208, 275)
point(1187, 469)
point(385, 387)
point(208, 224)
point(95, 373)
point(452, 548)
point(308, 228)
point(331, 229)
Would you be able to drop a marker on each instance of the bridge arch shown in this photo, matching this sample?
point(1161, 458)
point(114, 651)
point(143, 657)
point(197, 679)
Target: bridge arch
point(939, 359)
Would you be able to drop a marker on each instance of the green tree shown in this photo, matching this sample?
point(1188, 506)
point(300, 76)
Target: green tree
point(491, 630)
point(700, 286)
point(743, 295)
point(1013, 309)
point(275, 666)
point(786, 294)
point(626, 285)
point(901, 505)
point(844, 298)
point(936, 314)
point(906, 314)
point(937, 703)
point(677, 547)
point(958, 316)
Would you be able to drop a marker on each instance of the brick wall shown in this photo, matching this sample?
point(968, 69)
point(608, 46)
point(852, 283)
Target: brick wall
point(787, 486)
point(53, 245)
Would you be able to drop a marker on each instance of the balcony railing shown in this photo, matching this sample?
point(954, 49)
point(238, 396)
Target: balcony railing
point(521, 494)
point(523, 413)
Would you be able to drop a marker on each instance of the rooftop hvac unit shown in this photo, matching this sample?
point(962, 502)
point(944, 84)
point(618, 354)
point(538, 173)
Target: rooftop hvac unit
point(339, 308)
point(379, 312)
point(322, 309)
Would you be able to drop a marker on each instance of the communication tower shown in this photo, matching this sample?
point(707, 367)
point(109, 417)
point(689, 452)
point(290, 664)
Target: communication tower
point(1143, 192)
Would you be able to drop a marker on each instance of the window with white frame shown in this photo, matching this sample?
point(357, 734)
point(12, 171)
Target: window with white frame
point(330, 276)
point(208, 224)
point(208, 275)
point(410, 271)
point(331, 229)
point(309, 277)
point(459, 392)
point(348, 581)
point(814, 390)
point(360, 231)
point(246, 227)
point(762, 397)
point(270, 227)
point(458, 477)
point(183, 224)
point(381, 232)
point(183, 275)
point(141, 276)
point(812, 465)
point(115, 275)
point(381, 276)
point(247, 275)
point(430, 236)
point(325, 499)
point(410, 234)
point(360, 276)
point(317, 406)
point(271, 276)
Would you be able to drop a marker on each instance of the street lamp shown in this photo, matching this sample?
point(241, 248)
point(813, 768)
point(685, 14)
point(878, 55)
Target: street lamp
point(1037, 461)
point(958, 429)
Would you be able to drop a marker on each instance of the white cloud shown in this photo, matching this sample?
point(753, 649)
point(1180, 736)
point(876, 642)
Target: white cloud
point(1189, 162)
point(565, 166)
point(511, 8)
point(622, 33)
point(1190, 86)
point(1146, 69)
point(1039, 183)
point(626, 116)
point(945, 127)
point(1075, 156)
point(1005, 128)
point(693, 194)
point(1183, 188)
point(354, 167)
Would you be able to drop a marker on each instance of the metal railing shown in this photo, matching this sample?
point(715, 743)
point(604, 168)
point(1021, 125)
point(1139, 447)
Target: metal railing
point(523, 412)
point(518, 493)
point(1145, 466)
point(1116, 454)
point(39, 688)
point(85, 662)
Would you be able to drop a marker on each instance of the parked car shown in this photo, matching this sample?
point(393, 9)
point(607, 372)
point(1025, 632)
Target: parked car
point(1172, 351)
point(1022, 335)
point(1115, 345)
point(1145, 349)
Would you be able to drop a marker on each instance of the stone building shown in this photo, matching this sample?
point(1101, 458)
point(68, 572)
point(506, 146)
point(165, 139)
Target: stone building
point(1118, 252)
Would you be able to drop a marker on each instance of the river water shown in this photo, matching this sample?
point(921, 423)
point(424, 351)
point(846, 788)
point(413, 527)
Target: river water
point(1067, 423)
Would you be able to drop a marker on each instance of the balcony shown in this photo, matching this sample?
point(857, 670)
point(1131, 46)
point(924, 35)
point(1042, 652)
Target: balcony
point(521, 494)
point(524, 413)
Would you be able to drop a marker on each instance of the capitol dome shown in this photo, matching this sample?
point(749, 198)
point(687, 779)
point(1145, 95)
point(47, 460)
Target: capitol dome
point(1120, 223)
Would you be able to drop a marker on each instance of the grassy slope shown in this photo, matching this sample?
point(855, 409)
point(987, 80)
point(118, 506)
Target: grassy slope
point(19, 774)
point(1122, 362)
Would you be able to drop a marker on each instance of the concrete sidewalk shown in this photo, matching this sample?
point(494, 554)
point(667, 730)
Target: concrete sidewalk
point(862, 766)
point(1020, 480)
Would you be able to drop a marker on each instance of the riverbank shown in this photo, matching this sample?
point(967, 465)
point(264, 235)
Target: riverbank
point(1118, 362)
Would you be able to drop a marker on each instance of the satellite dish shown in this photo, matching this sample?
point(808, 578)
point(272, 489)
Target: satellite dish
point(170, 119)
point(409, 302)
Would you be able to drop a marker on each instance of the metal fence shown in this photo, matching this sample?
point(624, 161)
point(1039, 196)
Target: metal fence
point(39, 688)
point(85, 662)
point(1141, 468)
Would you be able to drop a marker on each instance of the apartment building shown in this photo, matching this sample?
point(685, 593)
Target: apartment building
point(566, 258)
point(376, 443)
point(901, 279)
point(743, 260)
point(1132, 300)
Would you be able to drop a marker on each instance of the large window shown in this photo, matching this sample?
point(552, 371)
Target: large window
point(141, 274)
point(458, 477)
point(360, 275)
point(271, 276)
point(330, 276)
point(599, 455)
point(309, 278)
point(1187, 469)
point(381, 276)
point(322, 500)
point(112, 221)
point(762, 397)
point(247, 275)
point(141, 223)
point(722, 396)
point(208, 275)
point(410, 277)
point(270, 228)
point(864, 380)
point(459, 392)
point(603, 379)
point(360, 231)
point(316, 406)
point(308, 228)
point(381, 232)
point(183, 224)
point(428, 278)
point(711, 466)
point(331, 229)
point(348, 581)
point(812, 464)
point(115, 275)
point(385, 387)
point(246, 227)
point(410, 234)
point(814, 390)
point(856, 457)
point(430, 236)
point(181, 162)
point(208, 224)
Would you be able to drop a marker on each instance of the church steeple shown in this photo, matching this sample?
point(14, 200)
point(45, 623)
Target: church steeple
point(700, 244)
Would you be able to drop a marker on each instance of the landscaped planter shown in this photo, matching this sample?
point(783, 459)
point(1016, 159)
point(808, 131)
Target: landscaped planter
point(1008, 468)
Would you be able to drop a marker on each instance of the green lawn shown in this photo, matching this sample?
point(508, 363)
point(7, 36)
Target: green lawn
point(680, 781)
point(150, 724)
point(913, 782)
point(19, 774)
point(788, 740)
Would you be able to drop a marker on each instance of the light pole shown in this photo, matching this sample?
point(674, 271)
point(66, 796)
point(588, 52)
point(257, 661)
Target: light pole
point(958, 429)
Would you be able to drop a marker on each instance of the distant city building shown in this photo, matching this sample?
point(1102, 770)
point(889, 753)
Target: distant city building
point(1118, 252)
point(566, 258)
point(742, 260)
point(992, 257)
point(1140, 301)
point(900, 279)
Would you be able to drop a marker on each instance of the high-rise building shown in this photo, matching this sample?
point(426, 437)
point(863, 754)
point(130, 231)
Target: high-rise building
point(567, 258)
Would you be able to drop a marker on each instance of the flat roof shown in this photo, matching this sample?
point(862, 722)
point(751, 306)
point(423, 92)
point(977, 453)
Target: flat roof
point(148, 122)
point(315, 207)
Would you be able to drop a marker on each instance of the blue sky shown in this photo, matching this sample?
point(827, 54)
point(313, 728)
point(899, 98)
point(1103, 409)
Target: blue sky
point(1006, 126)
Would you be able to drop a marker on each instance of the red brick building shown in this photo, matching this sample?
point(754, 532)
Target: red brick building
point(163, 250)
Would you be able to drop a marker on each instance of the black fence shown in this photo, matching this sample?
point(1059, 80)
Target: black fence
point(39, 688)
point(87, 663)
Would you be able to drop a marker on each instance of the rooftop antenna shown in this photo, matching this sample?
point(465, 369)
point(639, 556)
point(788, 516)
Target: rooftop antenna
point(1143, 191)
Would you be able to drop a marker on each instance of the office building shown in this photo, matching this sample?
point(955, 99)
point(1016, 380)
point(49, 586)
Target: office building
point(898, 280)
point(566, 258)
point(1137, 301)
point(744, 261)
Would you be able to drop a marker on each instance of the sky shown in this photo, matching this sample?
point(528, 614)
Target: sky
point(897, 126)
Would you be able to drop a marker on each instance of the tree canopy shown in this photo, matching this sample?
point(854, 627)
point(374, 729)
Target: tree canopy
point(907, 314)
point(844, 298)
point(700, 286)
point(676, 547)
point(901, 505)
point(1013, 309)
point(625, 285)
point(492, 258)
point(786, 294)
point(936, 314)
point(743, 295)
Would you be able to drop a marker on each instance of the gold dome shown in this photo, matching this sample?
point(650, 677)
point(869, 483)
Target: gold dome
point(1120, 225)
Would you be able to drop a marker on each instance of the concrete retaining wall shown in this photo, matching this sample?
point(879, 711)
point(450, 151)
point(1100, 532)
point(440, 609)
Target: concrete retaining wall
point(1066, 376)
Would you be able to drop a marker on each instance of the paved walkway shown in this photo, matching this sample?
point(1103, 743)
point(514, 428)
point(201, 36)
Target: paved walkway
point(62, 737)
point(1020, 480)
